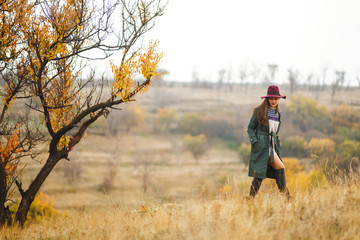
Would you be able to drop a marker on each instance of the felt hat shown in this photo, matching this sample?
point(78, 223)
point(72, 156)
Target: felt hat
point(273, 91)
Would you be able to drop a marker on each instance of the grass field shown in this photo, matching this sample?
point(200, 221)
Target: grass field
point(184, 200)
point(330, 212)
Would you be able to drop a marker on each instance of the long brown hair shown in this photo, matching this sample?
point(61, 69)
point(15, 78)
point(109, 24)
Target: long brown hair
point(262, 112)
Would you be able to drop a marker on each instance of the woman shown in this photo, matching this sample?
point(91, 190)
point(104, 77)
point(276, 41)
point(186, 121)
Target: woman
point(265, 158)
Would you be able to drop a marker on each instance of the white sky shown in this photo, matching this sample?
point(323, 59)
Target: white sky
point(308, 35)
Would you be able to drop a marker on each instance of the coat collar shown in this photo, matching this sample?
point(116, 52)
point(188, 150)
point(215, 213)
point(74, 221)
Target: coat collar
point(280, 113)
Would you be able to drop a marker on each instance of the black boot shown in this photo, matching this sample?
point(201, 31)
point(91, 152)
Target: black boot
point(255, 186)
point(281, 181)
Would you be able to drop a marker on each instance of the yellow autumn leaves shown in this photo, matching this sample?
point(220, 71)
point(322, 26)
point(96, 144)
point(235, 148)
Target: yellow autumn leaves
point(144, 63)
point(11, 21)
point(7, 97)
point(45, 42)
point(124, 86)
point(8, 151)
point(62, 99)
point(47, 34)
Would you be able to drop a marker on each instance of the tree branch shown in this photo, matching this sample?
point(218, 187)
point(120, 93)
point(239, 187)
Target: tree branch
point(19, 186)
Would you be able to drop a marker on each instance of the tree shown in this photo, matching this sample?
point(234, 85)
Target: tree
point(255, 72)
point(270, 78)
point(243, 72)
point(309, 79)
point(340, 79)
point(12, 21)
point(46, 70)
point(197, 145)
point(229, 82)
point(221, 74)
point(166, 117)
point(16, 140)
point(195, 79)
point(293, 79)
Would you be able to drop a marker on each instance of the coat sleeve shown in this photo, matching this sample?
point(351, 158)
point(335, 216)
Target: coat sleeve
point(252, 128)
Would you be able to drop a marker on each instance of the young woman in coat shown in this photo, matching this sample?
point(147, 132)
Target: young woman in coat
point(265, 156)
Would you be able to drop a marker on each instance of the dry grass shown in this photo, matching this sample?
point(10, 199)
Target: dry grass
point(166, 178)
point(184, 200)
point(331, 212)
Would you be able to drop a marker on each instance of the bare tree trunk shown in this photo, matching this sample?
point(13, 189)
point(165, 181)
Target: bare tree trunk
point(293, 79)
point(340, 78)
point(221, 78)
point(3, 193)
point(317, 89)
point(28, 196)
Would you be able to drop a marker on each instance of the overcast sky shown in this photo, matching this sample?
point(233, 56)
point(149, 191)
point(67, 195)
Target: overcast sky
point(208, 35)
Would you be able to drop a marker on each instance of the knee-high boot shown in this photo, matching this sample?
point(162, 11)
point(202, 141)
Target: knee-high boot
point(255, 186)
point(281, 181)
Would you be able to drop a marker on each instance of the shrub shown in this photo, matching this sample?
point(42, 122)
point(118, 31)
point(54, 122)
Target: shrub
point(293, 166)
point(197, 145)
point(165, 117)
point(191, 123)
point(297, 178)
point(321, 147)
point(345, 122)
point(244, 153)
point(314, 179)
point(41, 207)
point(317, 178)
point(219, 126)
point(295, 146)
point(342, 133)
point(308, 114)
point(345, 116)
point(356, 134)
point(347, 150)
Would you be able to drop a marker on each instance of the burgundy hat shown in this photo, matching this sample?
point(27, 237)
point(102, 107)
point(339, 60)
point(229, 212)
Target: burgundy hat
point(273, 91)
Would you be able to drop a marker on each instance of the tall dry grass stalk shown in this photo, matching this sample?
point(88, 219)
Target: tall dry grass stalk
point(327, 212)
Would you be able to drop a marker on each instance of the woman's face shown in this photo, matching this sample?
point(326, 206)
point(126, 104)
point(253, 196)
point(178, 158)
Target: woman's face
point(273, 101)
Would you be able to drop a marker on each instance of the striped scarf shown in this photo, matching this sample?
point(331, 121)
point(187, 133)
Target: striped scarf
point(272, 115)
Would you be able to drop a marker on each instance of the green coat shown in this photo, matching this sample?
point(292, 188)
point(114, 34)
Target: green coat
point(260, 143)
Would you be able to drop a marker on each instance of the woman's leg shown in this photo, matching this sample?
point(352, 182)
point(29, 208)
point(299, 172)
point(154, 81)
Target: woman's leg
point(277, 164)
point(255, 186)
